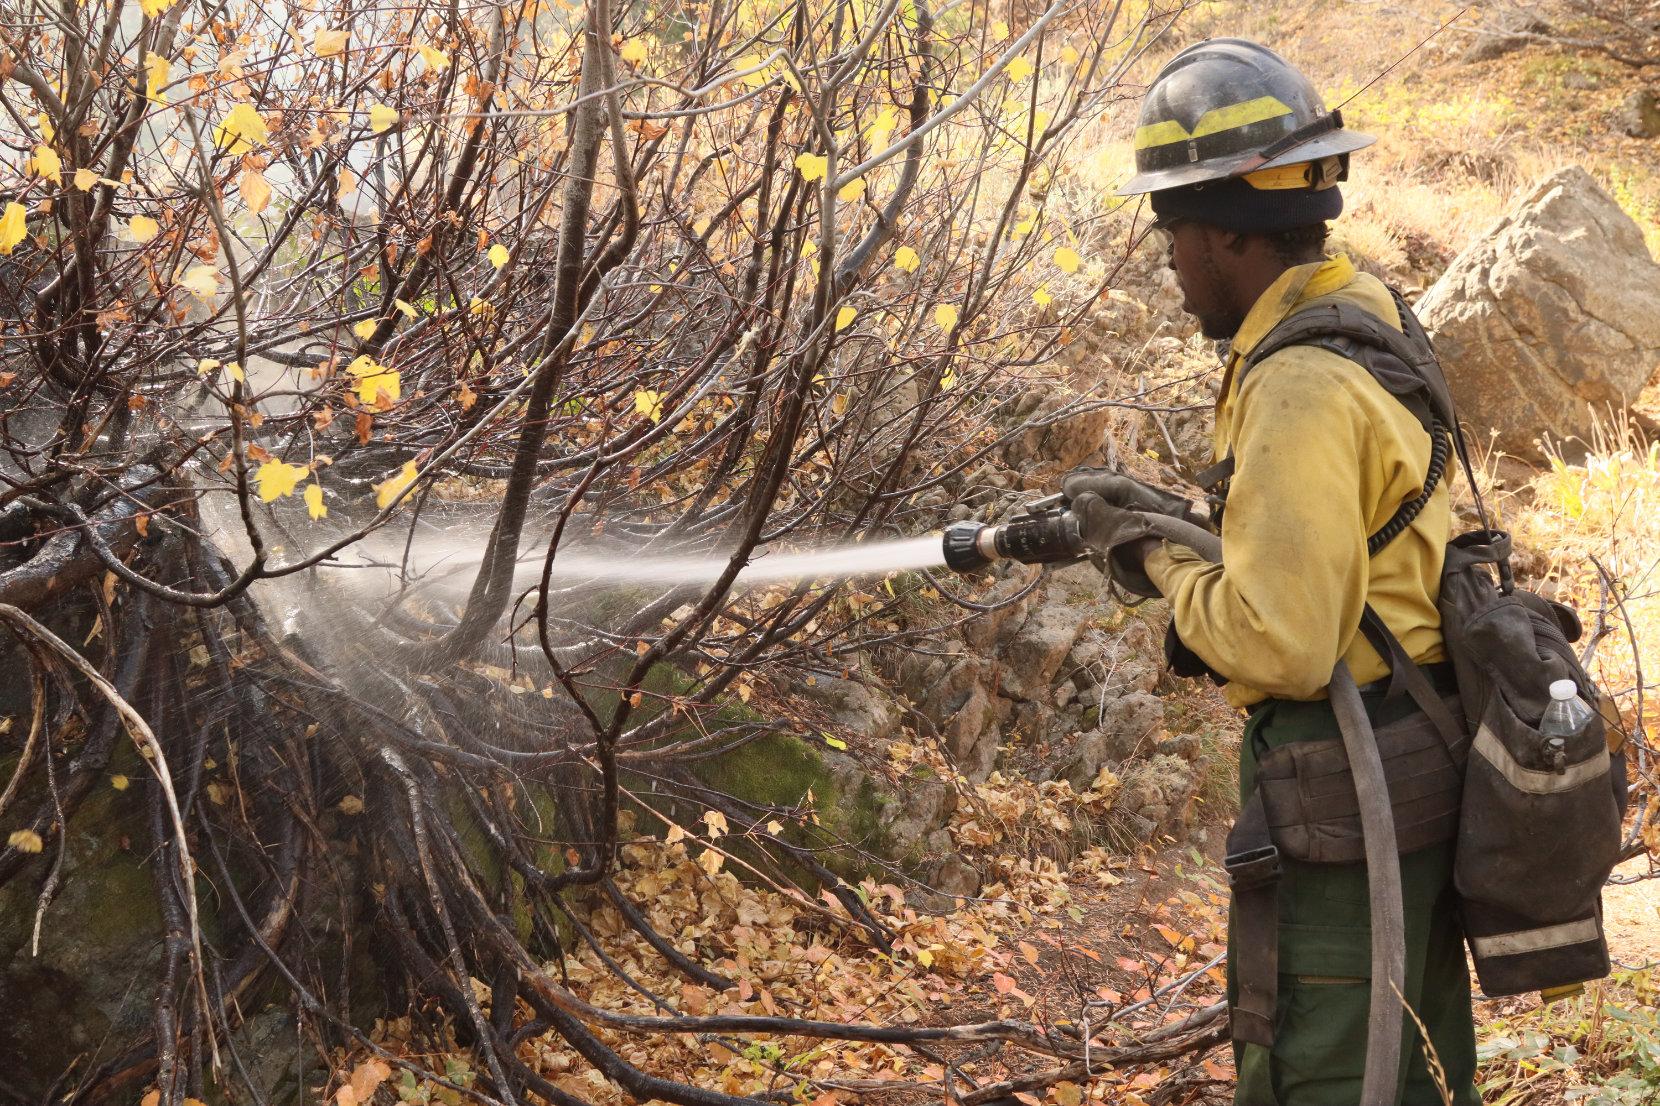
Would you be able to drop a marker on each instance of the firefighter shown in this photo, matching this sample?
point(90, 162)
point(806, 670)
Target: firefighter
point(1242, 162)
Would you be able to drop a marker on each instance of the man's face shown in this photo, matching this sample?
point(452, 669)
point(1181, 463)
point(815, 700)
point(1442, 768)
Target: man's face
point(1199, 259)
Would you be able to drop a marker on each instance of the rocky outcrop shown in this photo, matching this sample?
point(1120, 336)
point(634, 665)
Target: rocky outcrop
point(1639, 114)
point(1553, 315)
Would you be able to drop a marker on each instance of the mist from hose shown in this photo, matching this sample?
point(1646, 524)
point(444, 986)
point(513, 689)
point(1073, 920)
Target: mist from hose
point(441, 566)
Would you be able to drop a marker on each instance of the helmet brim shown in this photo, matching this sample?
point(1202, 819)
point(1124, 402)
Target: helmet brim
point(1180, 176)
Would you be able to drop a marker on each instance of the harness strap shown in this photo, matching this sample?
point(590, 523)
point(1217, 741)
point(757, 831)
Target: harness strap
point(1405, 675)
point(1253, 865)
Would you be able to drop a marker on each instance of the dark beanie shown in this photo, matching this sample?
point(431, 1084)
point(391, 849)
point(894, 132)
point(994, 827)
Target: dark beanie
point(1233, 204)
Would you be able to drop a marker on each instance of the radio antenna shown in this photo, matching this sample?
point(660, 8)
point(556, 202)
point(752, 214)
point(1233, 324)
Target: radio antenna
point(1403, 57)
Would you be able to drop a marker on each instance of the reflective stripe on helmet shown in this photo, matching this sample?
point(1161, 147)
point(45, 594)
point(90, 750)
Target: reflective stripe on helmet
point(1228, 118)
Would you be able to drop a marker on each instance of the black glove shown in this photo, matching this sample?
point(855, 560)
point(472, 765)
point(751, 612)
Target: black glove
point(1129, 493)
point(1119, 538)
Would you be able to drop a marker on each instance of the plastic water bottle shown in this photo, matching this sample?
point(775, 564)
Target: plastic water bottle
point(1567, 716)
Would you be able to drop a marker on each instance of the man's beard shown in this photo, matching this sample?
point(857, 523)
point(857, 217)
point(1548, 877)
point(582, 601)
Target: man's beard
point(1219, 325)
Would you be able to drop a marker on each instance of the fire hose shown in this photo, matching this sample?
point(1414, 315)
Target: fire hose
point(1050, 534)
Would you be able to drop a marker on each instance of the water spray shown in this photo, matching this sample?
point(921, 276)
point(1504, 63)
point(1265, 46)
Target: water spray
point(1046, 532)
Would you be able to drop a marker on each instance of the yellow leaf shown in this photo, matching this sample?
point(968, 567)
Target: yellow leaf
point(157, 70)
point(256, 191)
point(404, 306)
point(314, 505)
point(906, 259)
point(85, 179)
point(852, 190)
point(47, 164)
point(999, 31)
point(716, 823)
point(382, 118)
point(434, 57)
point(235, 371)
point(945, 316)
point(753, 80)
point(373, 1072)
point(838, 404)
point(28, 841)
point(347, 184)
point(634, 51)
point(277, 479)
point(812, 166)
point(202, 280)
point(153, 8)
point(1069, 55)
point(374, 380)
point(207, 365)
point(365, 328)
point(143, 228)
point(327, 42)
point(119, 782)
point(775, 827)
point(241, 130)
point(948, 380)
point(13, 227)
point(388, 490)
point(1068, 1093)
point(1067, 259)
point(710, 861)
point(1041, 297)
point(498, 255)
point(1019, 69)
point(351, 804)
point(649, 404)
point(845, 317)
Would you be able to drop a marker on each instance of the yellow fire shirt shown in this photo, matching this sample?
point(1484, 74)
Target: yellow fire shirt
point(1324, 457)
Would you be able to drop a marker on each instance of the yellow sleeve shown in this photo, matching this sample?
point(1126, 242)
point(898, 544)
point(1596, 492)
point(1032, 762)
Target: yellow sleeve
point(1285, 603)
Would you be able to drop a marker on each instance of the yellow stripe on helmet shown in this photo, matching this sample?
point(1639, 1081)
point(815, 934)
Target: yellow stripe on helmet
point(1226, 118)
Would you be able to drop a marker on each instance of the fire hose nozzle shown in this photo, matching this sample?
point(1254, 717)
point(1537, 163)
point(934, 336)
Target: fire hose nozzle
point(1047, 536)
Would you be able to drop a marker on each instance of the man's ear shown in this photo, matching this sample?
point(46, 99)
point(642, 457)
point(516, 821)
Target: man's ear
point(1232, 241)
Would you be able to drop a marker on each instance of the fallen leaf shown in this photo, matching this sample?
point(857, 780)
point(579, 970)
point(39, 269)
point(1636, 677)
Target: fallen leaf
point(649, 404)
point(25, 841)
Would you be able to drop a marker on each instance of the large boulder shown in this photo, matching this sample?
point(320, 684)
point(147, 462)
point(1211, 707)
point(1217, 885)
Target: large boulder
point(1553, 315)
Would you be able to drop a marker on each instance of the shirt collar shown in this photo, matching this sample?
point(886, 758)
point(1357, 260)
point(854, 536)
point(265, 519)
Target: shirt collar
point(1294, 287)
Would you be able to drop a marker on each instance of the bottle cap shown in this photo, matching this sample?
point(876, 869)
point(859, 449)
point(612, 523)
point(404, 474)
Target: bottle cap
point(1563, 690)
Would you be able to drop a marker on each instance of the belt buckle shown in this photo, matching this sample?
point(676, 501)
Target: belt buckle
point(1252, 868)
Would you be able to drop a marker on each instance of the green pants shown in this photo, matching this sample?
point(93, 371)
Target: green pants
point(1319, 1048)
